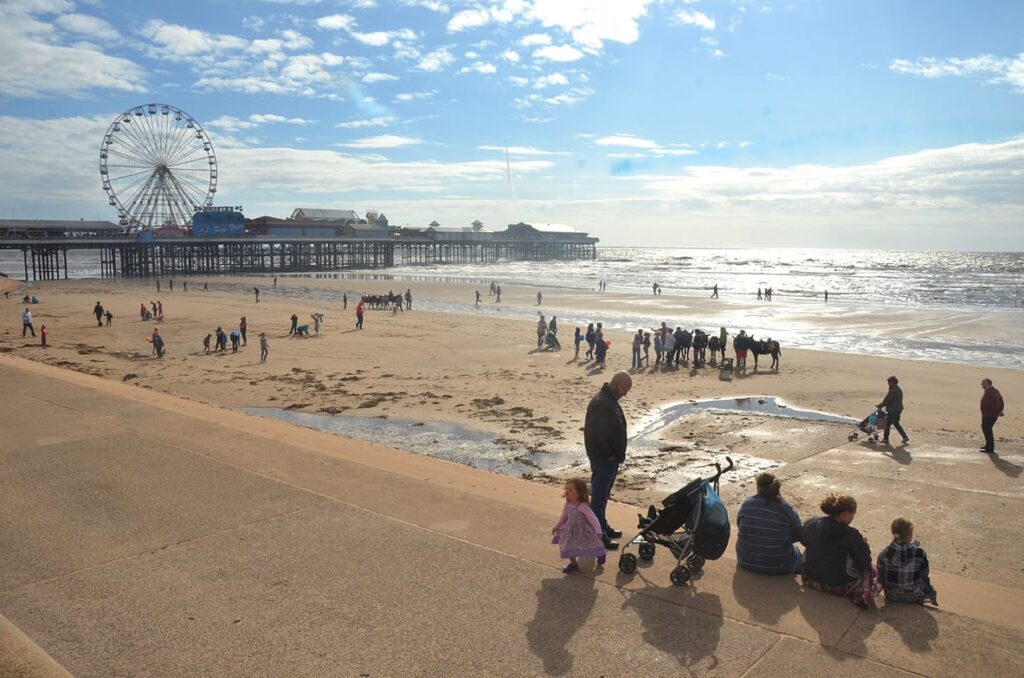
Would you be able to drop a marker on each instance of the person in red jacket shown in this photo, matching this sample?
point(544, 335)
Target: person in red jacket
point(359, 314)
point(991, 410)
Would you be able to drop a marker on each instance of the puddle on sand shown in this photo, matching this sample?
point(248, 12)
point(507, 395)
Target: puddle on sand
point(653, 463)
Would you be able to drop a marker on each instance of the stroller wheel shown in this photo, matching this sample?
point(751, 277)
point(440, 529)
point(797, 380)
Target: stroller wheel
point(680, 576)
point(627, 563)
point(647, 551)
point(696, 564)
point(853, 436)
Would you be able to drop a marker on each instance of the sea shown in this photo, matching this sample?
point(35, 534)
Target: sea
point(965, 307)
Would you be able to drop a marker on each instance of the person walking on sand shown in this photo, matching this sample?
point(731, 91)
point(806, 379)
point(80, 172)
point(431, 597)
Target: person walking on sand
point(604, 436)
point(256, 290)
point(497, 291)
point(991, 410)
point(542, 329)
point(158, 285)
point(577, 339)
point(317, 319)
point(359, 314)
point(222, 340)
point(476, 304)
point(109, 316)
point(295, 325)
point(158, 343)
point(540, 298)
point(206, 343)
point(235, 339)
point(97, 311)
point(275, 281)
point(759, 294)
point(344, 301)
point(893, 405)
point(43, 333)
point(578, 530)
point(638, 343)
point(206, 287)
point(600, 349)
point(826, 296)
point(591, 338)
point(26, 323)
point(184, 285)
point(243, 327)
point(714, 291)
point(408, 300)
point(171, 282)
point(264, 347)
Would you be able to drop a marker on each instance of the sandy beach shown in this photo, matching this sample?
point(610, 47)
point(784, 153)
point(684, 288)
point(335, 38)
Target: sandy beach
point(479, 369)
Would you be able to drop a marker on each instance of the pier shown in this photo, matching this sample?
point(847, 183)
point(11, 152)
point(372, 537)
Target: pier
point(46, 258)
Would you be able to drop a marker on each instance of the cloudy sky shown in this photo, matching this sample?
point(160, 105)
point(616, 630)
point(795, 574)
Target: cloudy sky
point(646, 122)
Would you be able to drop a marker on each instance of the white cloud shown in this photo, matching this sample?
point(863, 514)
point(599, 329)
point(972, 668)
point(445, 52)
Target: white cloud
point(558, 53)
point(383, 141)
point(437, 60)
point(336, 22)
point(592, 22)
point(432, 5)
point(745, 144)
point(549, 80)
point(381, 121)
point(521, 150)
point(176, 42)
point(535, 39)
point(382, 38)
point(646, 145)
point(519, 81)
point(405, 97)
point(699, 19)
point(1003, 70)
point(91, 26)
point(230, 124)
point(468, 18)
point(34, 63)
point(371, 78)
point(480, 67)
point(510, 55)
point(295, 40)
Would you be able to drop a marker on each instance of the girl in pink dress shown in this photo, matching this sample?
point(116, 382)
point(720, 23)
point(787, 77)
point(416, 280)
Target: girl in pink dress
point(578, 531)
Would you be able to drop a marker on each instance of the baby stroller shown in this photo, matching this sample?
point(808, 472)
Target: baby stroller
point(869, 426)
point(697, 509)
point(551, 342)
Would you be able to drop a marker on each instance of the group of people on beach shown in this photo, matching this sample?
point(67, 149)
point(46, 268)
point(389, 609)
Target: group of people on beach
point(836, 557)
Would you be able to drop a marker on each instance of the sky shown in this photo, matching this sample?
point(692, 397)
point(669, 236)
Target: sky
point(816, 123)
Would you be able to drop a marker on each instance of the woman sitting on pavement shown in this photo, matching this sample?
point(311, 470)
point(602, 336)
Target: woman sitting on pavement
point(837, 558)
point(768, 528)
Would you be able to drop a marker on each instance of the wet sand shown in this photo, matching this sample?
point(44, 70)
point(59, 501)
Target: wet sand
point(480, 369)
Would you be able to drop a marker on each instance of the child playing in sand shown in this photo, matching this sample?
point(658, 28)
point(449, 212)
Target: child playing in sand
point(903, 567)
point(577, 530)
point(42, 336)
point(206, 343)
point(264, 347)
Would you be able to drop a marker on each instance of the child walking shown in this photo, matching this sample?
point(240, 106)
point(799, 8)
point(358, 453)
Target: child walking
point(264, 347)
point(578, 531)
point(903, 567)
point(42, 336)
point(577, 339)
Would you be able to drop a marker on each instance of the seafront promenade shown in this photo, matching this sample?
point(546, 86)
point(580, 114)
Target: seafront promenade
point(146, 534)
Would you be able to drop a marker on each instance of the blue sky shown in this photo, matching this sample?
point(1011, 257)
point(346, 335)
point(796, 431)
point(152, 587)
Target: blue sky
point(645, 122)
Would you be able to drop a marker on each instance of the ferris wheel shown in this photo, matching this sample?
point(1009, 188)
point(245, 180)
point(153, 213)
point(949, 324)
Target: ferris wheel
point(158, 166)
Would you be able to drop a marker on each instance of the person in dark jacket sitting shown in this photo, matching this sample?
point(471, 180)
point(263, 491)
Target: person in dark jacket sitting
point(768, 527)
point(837, 558)
point(604, 435)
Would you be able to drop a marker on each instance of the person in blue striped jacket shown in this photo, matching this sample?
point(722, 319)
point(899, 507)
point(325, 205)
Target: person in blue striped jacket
point(768, 529)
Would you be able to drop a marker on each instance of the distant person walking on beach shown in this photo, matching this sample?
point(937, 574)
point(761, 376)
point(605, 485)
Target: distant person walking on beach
point(109, 316)
point(295, 325)
point(344, 301)
point(491, 292)
point(142, 311)
point(578, 531)
point(206, 343)
point(158, 285)
point(26, 323)
point(577, 339)
point(317, 319)
point(714, 291)
point(826, 296)
point(893, 405)
point(275, 281)
point(97, 311)
point(647, 349)
point(638, 343)
point(243, 327)
point(158, 343)
point(590, 338)
point(654, 289)
point(477, 302)
point(542, 329)
point(359, 315)
point(264, 347)
point(171, 282)
point(759, 294)
point(991, 410)
point(256, 290)
point(222, 340)
point(184, 285)
point(497, 291)
point(540, 298)
point(604, 436)
point(159, 310)
point(206, 287)
point(408, 300)
point(600, 349)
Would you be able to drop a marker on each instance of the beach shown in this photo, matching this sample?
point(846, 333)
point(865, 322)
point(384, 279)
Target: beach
point(516, 410)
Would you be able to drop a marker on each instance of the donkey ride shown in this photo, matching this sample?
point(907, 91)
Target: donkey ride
point(767, 347)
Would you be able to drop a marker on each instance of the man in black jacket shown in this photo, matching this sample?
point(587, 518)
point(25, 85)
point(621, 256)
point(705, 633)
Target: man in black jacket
point(604, 435)
point(893, 405)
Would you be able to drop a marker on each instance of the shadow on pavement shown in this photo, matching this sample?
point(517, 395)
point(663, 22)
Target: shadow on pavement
point(563, 606)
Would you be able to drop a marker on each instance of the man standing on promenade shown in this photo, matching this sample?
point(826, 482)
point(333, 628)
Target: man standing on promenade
point(893, 405)
point(604, 436)
point(991, 410)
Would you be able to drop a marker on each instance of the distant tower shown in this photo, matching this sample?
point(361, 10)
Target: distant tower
point(478, 225)
point(434, 224)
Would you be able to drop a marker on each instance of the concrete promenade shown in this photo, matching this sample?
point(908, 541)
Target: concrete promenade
point(146, 535)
